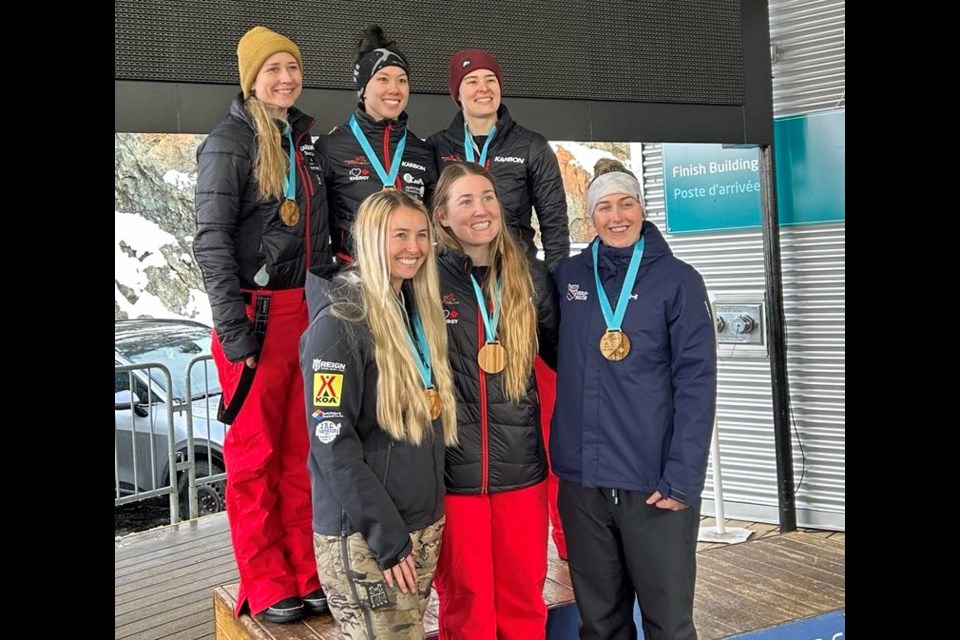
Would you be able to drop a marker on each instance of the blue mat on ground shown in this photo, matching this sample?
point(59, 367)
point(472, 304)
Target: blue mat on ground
point(829, 626)
point(563, 623)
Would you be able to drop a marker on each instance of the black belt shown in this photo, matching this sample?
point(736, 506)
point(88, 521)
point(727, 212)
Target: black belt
point(227, 415)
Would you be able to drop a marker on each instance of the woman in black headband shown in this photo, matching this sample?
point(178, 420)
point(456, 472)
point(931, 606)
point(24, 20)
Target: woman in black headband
point(374, 150)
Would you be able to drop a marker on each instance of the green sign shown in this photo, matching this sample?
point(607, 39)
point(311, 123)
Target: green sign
point(711, 188)
point(810, 156)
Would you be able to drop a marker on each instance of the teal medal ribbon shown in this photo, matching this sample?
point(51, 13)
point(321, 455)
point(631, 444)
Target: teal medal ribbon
point(469, 145)
point(424, 366)
point(615, 344)
point(388, 179)
point(289, 209)
point(492, 357)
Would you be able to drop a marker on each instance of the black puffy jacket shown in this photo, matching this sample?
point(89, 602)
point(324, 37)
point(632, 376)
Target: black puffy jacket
point(350, 176)
point(501, 444)
point(527, 175)
point(237, 233)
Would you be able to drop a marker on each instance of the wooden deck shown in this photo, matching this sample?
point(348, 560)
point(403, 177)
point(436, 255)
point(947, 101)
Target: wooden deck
point(164, 582)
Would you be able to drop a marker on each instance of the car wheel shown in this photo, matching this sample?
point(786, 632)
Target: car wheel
point(210, 497)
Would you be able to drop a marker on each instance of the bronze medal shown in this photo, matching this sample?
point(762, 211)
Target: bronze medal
point(289, 212)
point(433, 399)
point(492, 357)
point(614, 345)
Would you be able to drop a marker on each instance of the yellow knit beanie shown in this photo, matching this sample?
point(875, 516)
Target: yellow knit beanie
point(255, 47)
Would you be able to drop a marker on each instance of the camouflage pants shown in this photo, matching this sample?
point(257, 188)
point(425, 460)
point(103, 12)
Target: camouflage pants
point(360, 600)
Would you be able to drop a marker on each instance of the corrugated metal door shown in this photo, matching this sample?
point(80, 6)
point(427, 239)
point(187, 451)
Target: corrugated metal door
point(808, 48)
point(807, 42)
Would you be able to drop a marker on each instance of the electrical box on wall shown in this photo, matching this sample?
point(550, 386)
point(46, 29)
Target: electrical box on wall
point(741, 326)
point(739, 323)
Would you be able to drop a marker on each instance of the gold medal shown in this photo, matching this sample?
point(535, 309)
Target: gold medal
point(289, 212)
point(614, 345)
point(388, 187)
point(492, 357)
point(433, 399)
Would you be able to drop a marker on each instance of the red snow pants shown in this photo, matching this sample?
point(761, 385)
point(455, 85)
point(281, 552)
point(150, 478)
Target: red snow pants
point(265, 451)
point(547, 388)
point(493, 563)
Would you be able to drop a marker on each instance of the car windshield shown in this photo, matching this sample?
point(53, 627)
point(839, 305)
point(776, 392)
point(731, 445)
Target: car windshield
point(174, 346)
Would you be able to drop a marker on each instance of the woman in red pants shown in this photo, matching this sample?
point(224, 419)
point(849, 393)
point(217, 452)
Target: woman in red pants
point(499, 309)
point(261, 224)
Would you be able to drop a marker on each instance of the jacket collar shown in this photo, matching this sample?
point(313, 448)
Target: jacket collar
point(299, 121)
point(371, 127)
point(504, 124)
point(459, 261)
point(654, 247)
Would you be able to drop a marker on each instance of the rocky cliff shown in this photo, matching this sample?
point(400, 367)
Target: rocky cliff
point(155, 176)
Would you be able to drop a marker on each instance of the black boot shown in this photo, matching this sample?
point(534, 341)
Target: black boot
point(315, 602)
point(287, 610)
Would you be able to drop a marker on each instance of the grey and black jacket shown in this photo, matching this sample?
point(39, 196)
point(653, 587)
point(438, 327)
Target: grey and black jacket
point(362, 480)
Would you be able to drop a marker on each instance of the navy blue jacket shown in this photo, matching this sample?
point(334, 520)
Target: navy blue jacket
point(643, 423)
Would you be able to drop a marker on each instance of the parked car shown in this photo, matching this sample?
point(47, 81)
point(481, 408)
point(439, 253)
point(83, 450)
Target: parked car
point(140, 416)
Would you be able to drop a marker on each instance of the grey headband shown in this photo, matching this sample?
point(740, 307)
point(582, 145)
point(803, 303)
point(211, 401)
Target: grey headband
point(613, 182)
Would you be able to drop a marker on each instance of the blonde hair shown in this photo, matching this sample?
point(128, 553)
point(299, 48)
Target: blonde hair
point(402, 407)
point(272, 162)
point(518, 318)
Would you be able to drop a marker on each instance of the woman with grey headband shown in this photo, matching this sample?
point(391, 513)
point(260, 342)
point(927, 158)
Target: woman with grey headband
point(374, 149)
point(636, 397)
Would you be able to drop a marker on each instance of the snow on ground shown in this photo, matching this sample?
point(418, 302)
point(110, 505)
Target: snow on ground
point(144, 239)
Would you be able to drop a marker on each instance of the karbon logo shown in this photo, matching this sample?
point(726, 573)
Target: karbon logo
point(326, 389)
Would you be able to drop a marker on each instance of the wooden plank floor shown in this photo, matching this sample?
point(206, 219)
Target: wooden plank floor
point(164, 580)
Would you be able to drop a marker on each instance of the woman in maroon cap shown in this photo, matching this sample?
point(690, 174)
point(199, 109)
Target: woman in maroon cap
point(527, 175)
point(520, 160)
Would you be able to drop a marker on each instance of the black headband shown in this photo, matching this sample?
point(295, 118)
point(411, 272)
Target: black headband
point(371, 62)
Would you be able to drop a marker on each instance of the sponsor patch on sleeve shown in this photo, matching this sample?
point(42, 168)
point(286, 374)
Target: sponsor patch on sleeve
point(328, 365)
point(326, 432)
point(320, 415)
point(326, 389)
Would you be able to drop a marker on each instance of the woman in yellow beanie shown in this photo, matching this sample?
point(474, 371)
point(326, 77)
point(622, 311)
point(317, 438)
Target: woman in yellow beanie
point(261, 224)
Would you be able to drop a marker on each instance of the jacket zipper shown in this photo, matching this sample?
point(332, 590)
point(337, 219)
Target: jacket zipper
point(484, 445)
point(386, 154)
point(438, 473)
point(307, 192)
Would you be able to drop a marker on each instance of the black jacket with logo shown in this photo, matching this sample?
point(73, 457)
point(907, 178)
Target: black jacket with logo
point(350, 175)
point(237, 233)
point(501, 443)
point(527, 175)
point(362, 480)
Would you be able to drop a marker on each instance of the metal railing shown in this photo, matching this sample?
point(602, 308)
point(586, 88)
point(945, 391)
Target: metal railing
point(155, 432)
point(138, 490)
point(210, 478)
